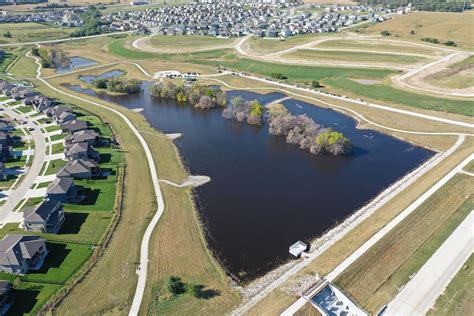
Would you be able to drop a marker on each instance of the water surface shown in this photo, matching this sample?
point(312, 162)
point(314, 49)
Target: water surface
point(266, 194)
point(75, 62)
point(109, 74)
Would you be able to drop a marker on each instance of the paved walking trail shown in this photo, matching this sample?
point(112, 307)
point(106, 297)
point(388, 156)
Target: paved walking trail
point(382, 232)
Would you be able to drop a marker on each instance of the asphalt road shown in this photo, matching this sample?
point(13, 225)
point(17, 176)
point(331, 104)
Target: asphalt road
point(33, 171)
point(420, 294)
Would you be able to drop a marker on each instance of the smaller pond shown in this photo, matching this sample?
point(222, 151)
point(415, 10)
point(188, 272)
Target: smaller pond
point(110, 74)
point(75, 62)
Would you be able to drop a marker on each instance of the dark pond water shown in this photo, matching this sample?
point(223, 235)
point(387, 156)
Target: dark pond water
point(76, 62)
point(266, 194)
point(110, 74)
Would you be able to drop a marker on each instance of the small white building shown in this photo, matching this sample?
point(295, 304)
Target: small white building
point(298, 248)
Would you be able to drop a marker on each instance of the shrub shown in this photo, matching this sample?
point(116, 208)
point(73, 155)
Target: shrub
point(385, 33)
point(430, 40)
point(277, 75)
point(315, 84)
point(175, 286)
point(450, 43)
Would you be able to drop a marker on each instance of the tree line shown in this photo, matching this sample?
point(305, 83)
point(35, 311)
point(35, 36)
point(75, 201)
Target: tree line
point(422, 5)
point(298, 130)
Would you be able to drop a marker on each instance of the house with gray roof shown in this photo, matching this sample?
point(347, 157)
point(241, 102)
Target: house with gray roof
point(21, 253)
point(79, 169)
point(80, 151)
point(46, 217)
point(89, 136)
point(3, 171)
point(6, 296)
point(74, 126)
point(62, 189)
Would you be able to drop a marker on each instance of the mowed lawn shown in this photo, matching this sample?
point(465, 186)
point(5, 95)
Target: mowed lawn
point(295, 72)
point(188, 41)
point(458, 297)
point(29, 32)
point(377, 45)
point(370, 58)
point(374, 279)
point(397, 96)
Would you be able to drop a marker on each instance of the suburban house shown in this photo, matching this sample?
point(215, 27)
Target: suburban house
point(62, 114)
point(89, 136)
point(5, 126)
point(6, 296)
point(79, 169)
point(62, 189)
point(4, 86)
point(38, 102)
point(20, 253)
point(46, 217)
point(19, 93)
point(80, 151)
point(74, 126)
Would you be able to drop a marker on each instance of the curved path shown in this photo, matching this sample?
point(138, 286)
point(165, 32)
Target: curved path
point(142, 269)
point(143, 44)
point(419, 74)
point(18, 194)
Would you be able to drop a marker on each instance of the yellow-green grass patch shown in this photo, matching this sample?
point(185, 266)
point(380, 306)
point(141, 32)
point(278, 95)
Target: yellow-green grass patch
point(339, 56)
point(188, 41)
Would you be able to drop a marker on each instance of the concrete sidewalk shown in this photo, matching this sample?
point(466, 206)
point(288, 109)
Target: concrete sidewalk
point(420, 294)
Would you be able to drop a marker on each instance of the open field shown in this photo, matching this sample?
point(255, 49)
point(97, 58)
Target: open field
point(443, 26)
point(374, 279)
point(393, 95)
point(30, 32)
point(378, 45)
point(338, 56)
point(186, 42)
point(23, 67)
point(457, 76)
point(458, 297)
point(263, 46)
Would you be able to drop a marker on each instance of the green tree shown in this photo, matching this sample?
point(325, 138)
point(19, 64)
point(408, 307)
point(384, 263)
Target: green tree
point(175, 286)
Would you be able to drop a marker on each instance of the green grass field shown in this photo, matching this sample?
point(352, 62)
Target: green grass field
point(376, 46)
point(314, 55)
point(295, 72)
point(458, 297)
point(118, 48)
point(29, 32)
point(188, 41)
point(30, 297)
point(392, 95)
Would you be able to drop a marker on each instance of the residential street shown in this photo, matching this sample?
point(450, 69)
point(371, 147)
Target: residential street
point(33, 171)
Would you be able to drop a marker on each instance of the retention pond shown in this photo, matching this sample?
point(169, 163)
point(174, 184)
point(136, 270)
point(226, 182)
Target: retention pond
point(266, 194)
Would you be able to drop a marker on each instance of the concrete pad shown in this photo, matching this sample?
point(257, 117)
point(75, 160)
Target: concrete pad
point(57, 132)
point(41, 192)
point(48, 178)
point(54, 157)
